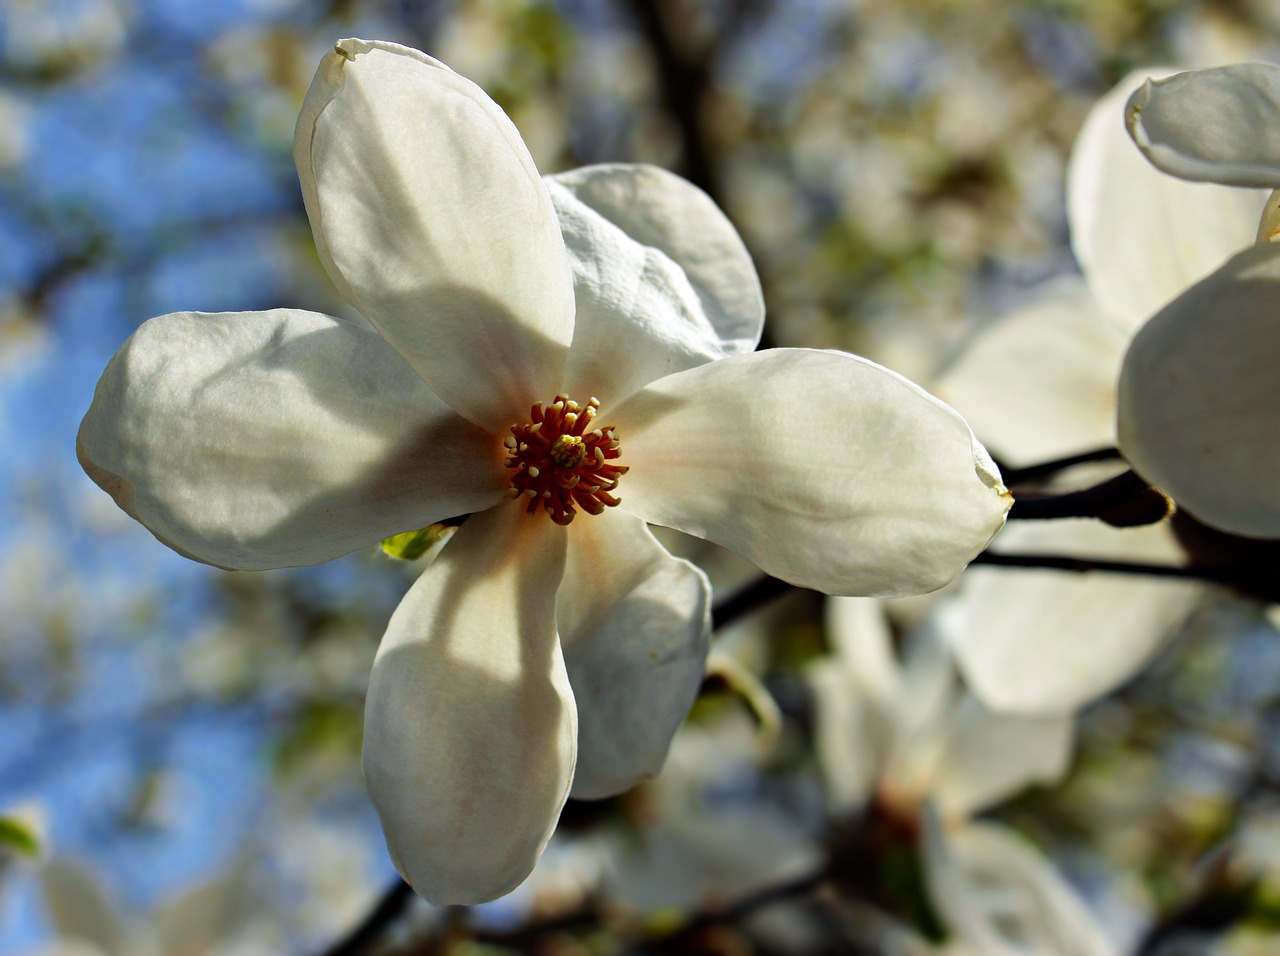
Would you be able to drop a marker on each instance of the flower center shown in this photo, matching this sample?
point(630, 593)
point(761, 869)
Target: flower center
point(561, 462)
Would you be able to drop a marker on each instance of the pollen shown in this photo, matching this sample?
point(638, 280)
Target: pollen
point(562, 461)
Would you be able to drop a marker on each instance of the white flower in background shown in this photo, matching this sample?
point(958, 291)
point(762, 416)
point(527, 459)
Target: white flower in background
point(1040, 383)
point(212, 919)
point(534, 655)
point(1199, 402)
point(910, 735)
point(703, 835)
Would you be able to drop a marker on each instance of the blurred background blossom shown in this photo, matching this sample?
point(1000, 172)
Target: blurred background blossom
point(897, 169)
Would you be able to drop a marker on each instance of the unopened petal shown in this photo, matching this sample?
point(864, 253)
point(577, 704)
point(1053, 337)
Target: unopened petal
point(470, 726)
point(1220, 125)
point(663, 211)
point(1039, 383)
point(1198, 402)
point(635, 624)
point(1048, 642)
point(1142, 236)
point(822, 468)
point(266, 439)
point(432, 220)
point(638, 316)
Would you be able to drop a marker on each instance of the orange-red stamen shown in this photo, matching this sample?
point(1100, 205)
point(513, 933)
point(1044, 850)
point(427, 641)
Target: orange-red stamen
point(562, 462)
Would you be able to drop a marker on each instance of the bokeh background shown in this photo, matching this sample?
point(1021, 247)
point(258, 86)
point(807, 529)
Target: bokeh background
point(895, 167)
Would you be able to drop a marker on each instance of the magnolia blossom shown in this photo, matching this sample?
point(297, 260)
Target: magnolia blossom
point(907, 733)
point(1199, 405)
point(212, 919)
point(581, 344)
point(1041, 383)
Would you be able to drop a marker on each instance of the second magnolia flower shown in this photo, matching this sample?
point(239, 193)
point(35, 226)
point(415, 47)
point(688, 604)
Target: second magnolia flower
point(554, 646)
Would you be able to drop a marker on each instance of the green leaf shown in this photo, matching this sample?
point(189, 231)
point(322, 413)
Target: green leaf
point(411, 545)
point(18, 835)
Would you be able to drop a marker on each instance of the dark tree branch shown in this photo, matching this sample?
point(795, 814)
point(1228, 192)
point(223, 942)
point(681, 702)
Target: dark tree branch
point(389, 909)
point(1124, 501)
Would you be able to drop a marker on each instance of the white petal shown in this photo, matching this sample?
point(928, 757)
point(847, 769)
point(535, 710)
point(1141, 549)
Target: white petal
point(1220, 125)
point(80, 910)
point(999, 897)
point(1039, 383)
point(265, 439)
point(659, 209)
point(1048, 642)
point(1198, 402)
point(991, 756)
point(855, 691)
point(822, 468)
point(1140, 236)
point(638, 317)
point(635, 624)
point(470, 727)
point(859, 631)
point(432, 220)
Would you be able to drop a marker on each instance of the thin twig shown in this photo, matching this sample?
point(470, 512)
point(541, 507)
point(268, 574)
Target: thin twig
point(1047, 469)
point(759, 592)
point(1260, 586)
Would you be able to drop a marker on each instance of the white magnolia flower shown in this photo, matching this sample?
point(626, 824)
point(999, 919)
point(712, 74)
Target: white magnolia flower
point(211, 919)
point(1041, 383)
point(930, 752)
point(1199, 406)
point(533, 656)
point(909, 733)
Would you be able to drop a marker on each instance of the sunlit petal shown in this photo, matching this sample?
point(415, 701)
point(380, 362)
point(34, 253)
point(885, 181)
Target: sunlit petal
point(1039, 383)
point(470, 726)
point(1220, 125)
point(265, 439)
point(821, 468)
point(1198, 401)
point(638, 318)
point(1141, 236)
point(635, 625)
point(432, 219)
point(660, 209)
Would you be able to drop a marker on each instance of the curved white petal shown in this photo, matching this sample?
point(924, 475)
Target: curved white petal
point(1039, 383)
point(635, 624)
point(660, 209)
point(432, 220)
point(1141, 236)
point(822, 468)
point(1198, 401)
point(1048, 642)
point(1220, 125)
point(470, 726)
point(257, 440)
point(638, 316)
point(990, 756)
point(999, 897)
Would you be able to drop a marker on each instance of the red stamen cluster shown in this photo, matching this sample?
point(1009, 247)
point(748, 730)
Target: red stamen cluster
point(561, 462)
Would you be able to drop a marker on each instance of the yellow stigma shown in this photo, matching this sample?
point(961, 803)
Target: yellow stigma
point(568, 451)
